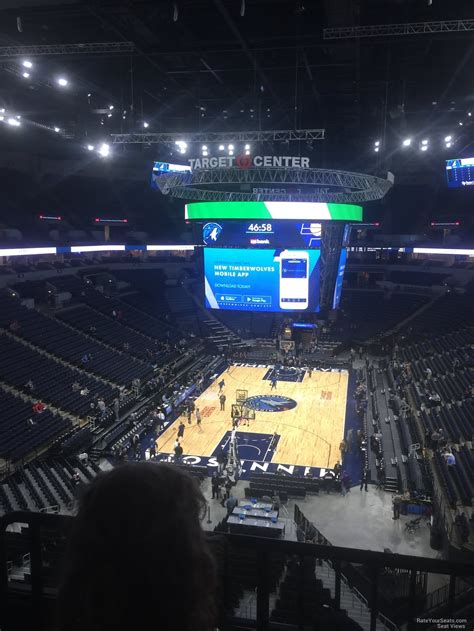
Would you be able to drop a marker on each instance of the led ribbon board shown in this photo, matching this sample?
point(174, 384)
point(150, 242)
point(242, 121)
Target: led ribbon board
point(273, 210)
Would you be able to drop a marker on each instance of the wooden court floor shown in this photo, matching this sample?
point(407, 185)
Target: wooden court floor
point(310, 433)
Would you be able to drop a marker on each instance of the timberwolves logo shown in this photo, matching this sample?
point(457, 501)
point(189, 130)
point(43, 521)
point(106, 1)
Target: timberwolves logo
point(270, 403)
point(211, 232)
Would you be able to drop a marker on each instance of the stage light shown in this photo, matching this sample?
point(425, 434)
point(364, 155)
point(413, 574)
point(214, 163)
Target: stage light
point(89, 95)
point(205, 153)
point(26, 75)
point(247, 152)
point(2, 118)
point(109, 115)
point(221, 147)
point(104, 150)
point(424, 142)
point(13, 122)
point(111, 107)
point(407, 142)
point(145, 124)
point(182, 150)
point(424, 148)
point(204, 147)
point(62, 82)
point(57, 130)
point(230, 147)
point(448, 139)
point(377, 143)
point(247, 146)
point(376, 149)
point(231, 153)
point(27, 64)
point(448, 145)
point(461, 123)
point(90, 147)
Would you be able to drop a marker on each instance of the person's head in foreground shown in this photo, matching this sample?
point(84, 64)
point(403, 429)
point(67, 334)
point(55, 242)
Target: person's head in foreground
point(137, 557)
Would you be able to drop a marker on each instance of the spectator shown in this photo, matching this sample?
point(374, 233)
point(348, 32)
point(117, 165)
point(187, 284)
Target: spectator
point(450, 459)
point(121, 537)
point(161, 419)
point(230, 503)
point(221, 385)
point(181, 428)
point(178, 452)
point(397, 501)
point(215, 485)
point(364, 479)
point(222, 399)
point(75, 386)
point(30, 385)
point(38, 407)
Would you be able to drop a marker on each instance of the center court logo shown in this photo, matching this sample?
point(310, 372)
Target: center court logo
point(270, 403)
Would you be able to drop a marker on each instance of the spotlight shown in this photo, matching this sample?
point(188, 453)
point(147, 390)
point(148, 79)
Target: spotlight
point(448, 139)
point(2, 118)
point(376, 149)
point(204, 147)
point(230, 147)
point(221, 147)
point(247, 146)
point(90, 147)
point(231, 153)
point(111, 107)
point(13, 122)
point(89, 95)
point(407, 142)
point(109, 115)
point(461, 123)
point(26, 75)
point(377, 143)
point(104, 150)
point(247, 152)
point(205, 153)
point(182, 150)
point(469, 113)
point(27, 64)
point(424, 148)
point(448, 145)
point(57, 130)
point(145, 124)
point(62, 82)
point(424, 142)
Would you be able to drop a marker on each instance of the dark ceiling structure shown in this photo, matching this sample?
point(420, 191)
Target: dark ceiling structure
point(187, 66)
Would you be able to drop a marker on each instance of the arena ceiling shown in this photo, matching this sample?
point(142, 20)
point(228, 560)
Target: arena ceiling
point(239, 64)
point(229, 65)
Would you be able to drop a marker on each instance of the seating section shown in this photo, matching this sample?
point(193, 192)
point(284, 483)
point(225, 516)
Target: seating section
point(62, 341)
point(18, 437)
point(52, 381)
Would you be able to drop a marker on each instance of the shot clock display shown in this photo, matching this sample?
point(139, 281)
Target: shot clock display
point(263, 234)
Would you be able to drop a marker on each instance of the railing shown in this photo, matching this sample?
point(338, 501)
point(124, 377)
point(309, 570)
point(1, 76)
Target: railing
point(262, 548)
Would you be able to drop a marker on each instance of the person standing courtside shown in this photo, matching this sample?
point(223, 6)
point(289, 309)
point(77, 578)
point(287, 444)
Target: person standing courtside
point(198, 419)
point(221, 385)
point(181, 428)
point(222, 398)
point(364, 479)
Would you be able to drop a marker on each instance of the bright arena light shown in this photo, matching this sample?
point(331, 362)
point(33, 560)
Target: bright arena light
point(57, 130)
point(13, 122)
point(230, 147)
point(247, 152)
point(26, 75)
point(62, 82)
point(27, 64)
point(231, 153)
point(377, 143)
point(145, 124)
point(376, 149)
point(448, 145)
point(90, 147)
point(424, 147)
point(424, 142)
point(247, 147)
point(204, 147)
point(111, 107)
point(104, 150)
point(448, 139)
point(221, 147)
point(407, 142)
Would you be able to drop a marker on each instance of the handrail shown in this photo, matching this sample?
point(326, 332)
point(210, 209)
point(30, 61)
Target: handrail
point(262, 548)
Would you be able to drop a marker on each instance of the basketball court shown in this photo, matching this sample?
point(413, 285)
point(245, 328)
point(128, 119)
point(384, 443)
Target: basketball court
point(300, 422)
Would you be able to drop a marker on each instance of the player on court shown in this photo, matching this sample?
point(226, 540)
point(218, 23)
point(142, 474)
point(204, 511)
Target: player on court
point(274, 380)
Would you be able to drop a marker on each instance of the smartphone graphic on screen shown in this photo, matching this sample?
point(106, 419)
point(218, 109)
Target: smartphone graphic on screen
point(294, 279)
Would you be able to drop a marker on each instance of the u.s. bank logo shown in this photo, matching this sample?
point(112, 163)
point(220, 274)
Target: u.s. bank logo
point(270, 403)
point(211, 232)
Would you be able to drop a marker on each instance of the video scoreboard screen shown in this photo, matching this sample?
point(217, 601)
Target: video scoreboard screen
point(262, 280)
point(260, 234)
point(460, 172)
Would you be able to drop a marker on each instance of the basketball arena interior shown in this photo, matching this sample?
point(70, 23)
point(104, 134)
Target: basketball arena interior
point(236, 315)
